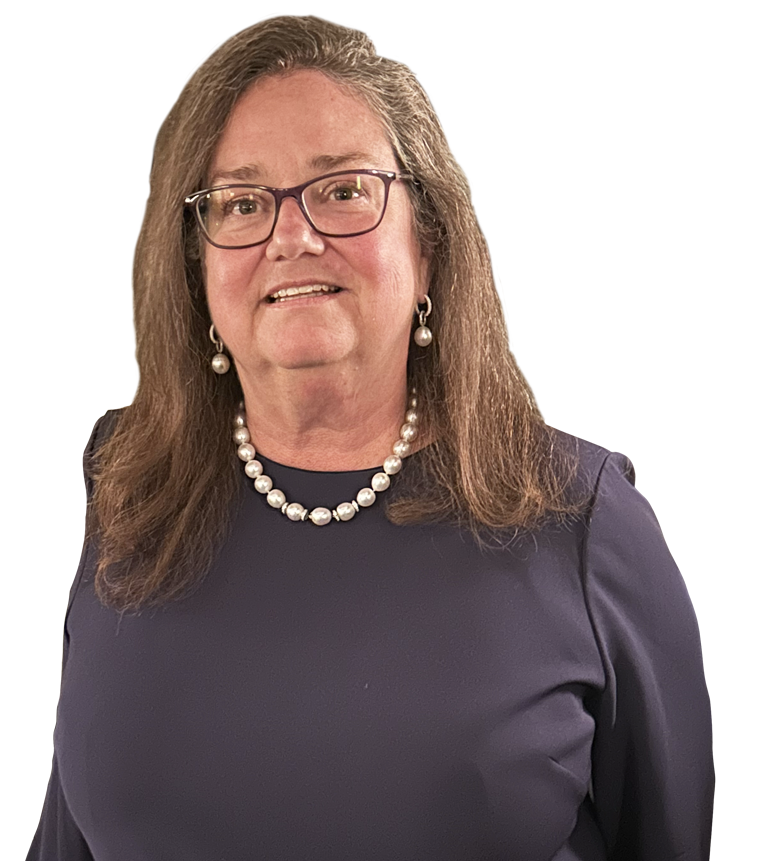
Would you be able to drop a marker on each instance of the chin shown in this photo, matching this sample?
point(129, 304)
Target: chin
point(312, 352)
point(307, 358)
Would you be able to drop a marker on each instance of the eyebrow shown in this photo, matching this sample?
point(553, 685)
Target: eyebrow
point(252, 172)
point(330, 162)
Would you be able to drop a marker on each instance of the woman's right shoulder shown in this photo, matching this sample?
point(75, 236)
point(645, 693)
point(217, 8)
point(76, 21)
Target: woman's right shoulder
point(104, 427)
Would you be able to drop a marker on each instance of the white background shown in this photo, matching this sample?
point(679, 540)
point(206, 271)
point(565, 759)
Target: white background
point(612, 152)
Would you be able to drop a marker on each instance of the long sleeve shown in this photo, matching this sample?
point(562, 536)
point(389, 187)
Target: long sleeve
point(57, 837)
point(653, 777)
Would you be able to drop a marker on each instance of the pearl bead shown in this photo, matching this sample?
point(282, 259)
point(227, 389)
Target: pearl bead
point(275, 498)
point(365, 497)
point(263, 484)
point(320, 516)
point(392, 464)
point(253, 468)
point(345, 511)
point(401, 448)
point(380, 481)
point(246, 451)
point(220, 363)
point(295, 511)
point(409, 432)
point(423, 336)
point(241, 435)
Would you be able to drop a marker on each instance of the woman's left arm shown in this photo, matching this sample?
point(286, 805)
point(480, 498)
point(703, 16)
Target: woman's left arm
point(653, 776)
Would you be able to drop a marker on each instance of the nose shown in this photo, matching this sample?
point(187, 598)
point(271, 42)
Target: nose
point(293, 235)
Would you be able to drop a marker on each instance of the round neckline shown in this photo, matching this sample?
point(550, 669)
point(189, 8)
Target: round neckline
point(275, 464)
point(380, 467)
point(315, 488)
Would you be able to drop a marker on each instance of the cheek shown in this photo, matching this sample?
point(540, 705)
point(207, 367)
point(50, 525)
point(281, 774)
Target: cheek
point(228, 280)
point(390, 299)
point(392, 266)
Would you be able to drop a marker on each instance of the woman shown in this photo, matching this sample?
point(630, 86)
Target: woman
point(462, 634)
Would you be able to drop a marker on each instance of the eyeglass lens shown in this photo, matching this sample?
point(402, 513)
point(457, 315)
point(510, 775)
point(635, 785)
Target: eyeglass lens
point(337, 205)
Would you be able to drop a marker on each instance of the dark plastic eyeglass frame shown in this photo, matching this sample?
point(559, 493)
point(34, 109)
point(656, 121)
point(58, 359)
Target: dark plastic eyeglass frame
point(296, 192)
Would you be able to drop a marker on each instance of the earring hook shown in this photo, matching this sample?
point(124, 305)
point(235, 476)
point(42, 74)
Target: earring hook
point(217, 342)
point(426, 313)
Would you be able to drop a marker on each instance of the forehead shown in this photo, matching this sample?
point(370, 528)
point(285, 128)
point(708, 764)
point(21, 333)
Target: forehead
point(285, 126)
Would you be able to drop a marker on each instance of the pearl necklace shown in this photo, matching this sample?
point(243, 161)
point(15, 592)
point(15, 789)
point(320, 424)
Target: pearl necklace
point(345, 510)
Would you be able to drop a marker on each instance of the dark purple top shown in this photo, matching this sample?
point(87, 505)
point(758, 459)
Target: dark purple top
point(369, 692)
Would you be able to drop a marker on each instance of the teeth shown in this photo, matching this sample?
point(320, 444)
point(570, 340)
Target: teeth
point(288, 292)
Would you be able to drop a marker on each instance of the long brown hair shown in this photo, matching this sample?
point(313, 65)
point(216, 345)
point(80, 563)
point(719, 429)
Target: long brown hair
point(166, 477)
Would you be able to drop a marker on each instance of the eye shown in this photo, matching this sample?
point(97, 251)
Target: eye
point(344, 192)
point(351, 188)
point(244, 205)
point(235, 206)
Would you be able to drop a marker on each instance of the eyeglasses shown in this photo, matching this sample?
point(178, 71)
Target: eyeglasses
point(337, 204)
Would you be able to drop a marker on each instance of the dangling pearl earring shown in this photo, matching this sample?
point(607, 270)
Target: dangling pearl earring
point(220, 363)
point(422, 335)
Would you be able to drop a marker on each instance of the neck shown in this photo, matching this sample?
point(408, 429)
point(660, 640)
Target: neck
point(325, 421)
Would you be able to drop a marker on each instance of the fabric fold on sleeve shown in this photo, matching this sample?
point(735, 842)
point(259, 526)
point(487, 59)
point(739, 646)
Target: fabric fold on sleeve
point(653, 776)
point(57, 837)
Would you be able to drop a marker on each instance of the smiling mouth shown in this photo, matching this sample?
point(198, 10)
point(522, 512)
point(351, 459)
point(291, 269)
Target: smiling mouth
point(301, 292)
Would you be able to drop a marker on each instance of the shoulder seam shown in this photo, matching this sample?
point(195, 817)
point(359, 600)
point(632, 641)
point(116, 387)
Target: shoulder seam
point(584, 568)
point(91, 447)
